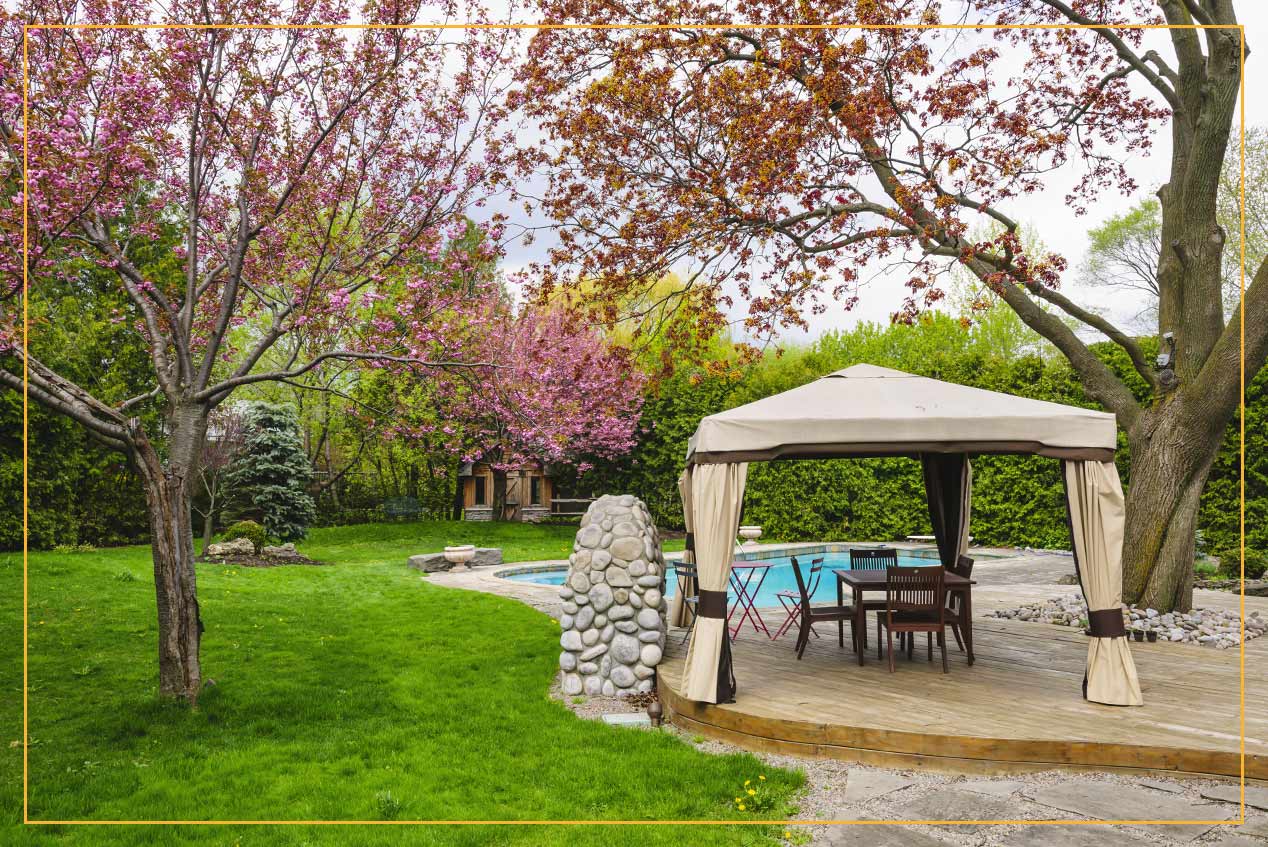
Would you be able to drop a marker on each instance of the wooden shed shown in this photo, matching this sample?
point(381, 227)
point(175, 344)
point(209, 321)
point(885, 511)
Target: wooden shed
point(528, 493)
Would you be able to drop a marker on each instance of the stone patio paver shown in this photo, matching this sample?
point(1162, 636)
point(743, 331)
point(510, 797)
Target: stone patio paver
point(1160, 785)
point(863, 785)
point(1256, 797)
point(993, 787)
point(1257, 826)
point(880, 835)
point(1089, 798)
point(1234, 839)
point(953, 803)
point(1073, 835)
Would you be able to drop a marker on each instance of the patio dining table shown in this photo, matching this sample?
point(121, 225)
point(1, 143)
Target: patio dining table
point(861, 581)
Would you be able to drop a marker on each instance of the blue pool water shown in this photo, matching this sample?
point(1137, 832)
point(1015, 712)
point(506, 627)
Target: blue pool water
point(778, 578)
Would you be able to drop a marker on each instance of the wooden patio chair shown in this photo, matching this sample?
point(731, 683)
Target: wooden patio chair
point(915, 601)
point(688, 577)
point(810, 615)
point(963, 567)
point(872, 559)
point(791, 600)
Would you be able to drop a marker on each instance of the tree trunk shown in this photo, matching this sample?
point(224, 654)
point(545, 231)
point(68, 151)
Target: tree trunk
point(209, 524)
point(168, 500)
point(499, 495)
point(457, 508)
point(1171, 456)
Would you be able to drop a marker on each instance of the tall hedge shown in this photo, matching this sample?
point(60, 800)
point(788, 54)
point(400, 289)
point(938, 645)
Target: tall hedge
point(80, 492)
point(1017, 500)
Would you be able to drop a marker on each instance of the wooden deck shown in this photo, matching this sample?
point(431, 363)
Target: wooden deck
point(1018, 708)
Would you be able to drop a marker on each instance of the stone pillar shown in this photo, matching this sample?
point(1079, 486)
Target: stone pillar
point(614, 607)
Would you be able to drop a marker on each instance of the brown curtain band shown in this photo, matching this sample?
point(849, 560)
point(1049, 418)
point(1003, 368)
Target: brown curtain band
point(690, 543)
point(1106, 623)
point(712, 604)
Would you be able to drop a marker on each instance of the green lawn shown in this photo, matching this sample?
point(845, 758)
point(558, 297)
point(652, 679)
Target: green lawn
point(335, 686)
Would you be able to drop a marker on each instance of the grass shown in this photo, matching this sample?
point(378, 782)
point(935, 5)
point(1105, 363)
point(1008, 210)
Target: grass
point(352, 692)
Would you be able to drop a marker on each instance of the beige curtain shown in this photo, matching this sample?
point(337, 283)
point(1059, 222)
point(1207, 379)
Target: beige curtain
point(1095, 498)
point(717, 493)
point(679, 614)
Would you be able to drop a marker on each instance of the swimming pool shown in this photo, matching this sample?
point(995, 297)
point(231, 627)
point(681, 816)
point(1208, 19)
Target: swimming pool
point(778, 578)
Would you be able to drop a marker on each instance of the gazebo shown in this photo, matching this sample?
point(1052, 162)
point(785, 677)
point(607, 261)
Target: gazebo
point(869, 411)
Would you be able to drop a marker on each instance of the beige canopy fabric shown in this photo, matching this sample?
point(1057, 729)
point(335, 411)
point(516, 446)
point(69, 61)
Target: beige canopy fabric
point(868, 410)
point(1095, 498)
point(717, 492)
point(679, 614)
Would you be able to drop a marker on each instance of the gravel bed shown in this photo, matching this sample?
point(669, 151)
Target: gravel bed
point(1217, 628)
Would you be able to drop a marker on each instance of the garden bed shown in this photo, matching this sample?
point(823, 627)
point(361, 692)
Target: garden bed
point(257, 560)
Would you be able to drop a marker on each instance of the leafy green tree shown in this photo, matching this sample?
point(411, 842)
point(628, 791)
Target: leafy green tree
point(1123, 253)
point(269, 478)
point(1229, 212)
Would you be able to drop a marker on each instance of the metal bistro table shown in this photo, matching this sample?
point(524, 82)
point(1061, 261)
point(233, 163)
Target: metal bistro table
point(860, 581)
point(747, 579)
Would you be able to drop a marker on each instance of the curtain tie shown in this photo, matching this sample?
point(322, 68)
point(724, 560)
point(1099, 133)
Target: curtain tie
point(1106, 623)
point(712, 604)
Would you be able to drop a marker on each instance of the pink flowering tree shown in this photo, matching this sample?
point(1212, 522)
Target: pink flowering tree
point(559, 394)
point(309, 181)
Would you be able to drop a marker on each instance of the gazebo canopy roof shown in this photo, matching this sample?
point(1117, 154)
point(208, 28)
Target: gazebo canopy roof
point(866, 410)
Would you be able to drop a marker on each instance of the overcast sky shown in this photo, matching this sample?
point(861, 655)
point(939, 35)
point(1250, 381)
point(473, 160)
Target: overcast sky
point(1046, 212)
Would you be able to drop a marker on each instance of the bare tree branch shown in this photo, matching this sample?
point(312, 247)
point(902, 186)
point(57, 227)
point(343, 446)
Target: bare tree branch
point(216, 393)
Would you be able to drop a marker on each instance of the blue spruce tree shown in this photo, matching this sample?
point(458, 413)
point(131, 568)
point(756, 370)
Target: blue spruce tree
point(269, 479)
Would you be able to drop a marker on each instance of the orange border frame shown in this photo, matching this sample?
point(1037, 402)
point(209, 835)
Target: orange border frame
point(26, 820)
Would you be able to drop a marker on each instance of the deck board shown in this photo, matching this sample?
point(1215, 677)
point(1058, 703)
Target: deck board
point(1019, 707)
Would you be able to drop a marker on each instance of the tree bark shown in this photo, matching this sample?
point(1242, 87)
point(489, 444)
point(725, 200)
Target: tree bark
point(1172, 450)
point(168, 500)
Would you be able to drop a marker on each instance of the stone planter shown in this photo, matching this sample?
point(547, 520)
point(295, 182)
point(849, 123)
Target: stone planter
point(750, 534)
point(459, 556)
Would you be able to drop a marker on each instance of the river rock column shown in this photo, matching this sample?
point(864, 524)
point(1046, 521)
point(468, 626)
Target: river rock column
point(614, 607)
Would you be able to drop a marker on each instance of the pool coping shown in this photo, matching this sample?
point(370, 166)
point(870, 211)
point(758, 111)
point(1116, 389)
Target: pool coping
point(767, 551)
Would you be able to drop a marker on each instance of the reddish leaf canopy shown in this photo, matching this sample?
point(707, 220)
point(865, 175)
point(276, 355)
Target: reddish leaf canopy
point(782, 161)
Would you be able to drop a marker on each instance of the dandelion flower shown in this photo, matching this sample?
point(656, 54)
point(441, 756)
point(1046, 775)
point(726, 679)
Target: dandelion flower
point(752, 793)
point(762, 777)
point(747, 781)
point(741, 807)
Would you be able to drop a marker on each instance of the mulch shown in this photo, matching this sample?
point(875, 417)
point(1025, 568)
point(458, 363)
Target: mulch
point(258, 561)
